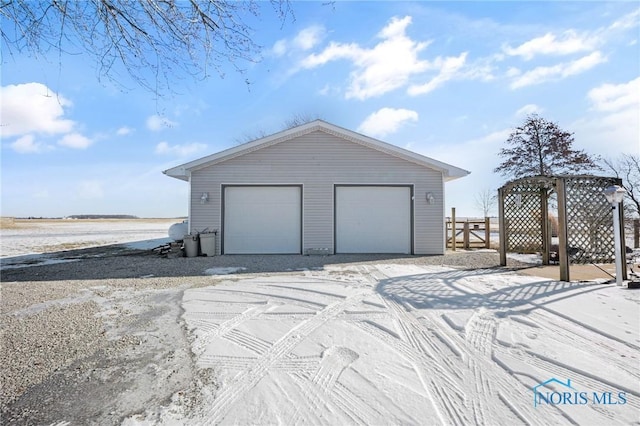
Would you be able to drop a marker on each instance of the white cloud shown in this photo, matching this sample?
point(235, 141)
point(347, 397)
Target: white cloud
point(613, 97)
point(27, 145)
point(75, 141)
point(306, 39)
point(156, 123)
point(123, 131)
point(628, 21)
point(279, 47)
point(386, 121)
point(163, 148)
point(32, 108)
point(543, 74)
point(613, 124)
point(513, 72)
point(493, 139)
point(309, 37)
point(528, 110)
point(385, 67)
point(550, 44)
point(448, 69)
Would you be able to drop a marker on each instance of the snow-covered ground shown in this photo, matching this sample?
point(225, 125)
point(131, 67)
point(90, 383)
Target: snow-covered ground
point(407, 344)
point(29, 237)
point(389, 344)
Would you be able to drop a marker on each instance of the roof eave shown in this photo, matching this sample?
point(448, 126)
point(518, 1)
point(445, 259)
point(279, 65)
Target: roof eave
point(178, 173)
point(455, 174)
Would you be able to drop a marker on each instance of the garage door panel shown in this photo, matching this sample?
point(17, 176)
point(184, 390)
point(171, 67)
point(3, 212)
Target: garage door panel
point(262, 220)
point(373, 219)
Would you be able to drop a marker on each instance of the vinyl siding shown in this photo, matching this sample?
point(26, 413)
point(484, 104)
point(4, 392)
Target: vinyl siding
point(317, 161)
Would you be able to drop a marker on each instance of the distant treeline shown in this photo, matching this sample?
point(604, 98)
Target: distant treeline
point(102, 216)
point(89, 216)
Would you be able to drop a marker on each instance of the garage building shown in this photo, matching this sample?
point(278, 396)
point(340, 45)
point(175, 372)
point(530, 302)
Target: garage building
point(319, 188)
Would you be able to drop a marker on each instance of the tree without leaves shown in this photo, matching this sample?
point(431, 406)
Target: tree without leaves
point(540, 147)
point(297, 119)
point(627, 168)
point(485, 200)
point(153, 40)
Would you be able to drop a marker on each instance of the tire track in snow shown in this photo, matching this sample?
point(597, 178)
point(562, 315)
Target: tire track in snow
point(213, 330)
point(355, 407)
point(587, 379)
point(502, 379)
point(320, 389)
point(490, 379)
point(247, 341)
point(590, 342)
point(334, 361)
point(247, 379)
point(479, 335)
point(474, 365)
point(305, 365)
point(435, 367)
point(231, 362)
point(304, 408)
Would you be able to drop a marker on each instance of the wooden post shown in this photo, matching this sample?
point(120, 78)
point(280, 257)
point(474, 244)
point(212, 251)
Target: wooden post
point(453, 228)
point(636, 233)
point(465, 235)
point(446, 234)
point(544, 222)
point(502, 228)
point(563, 255)
point(623, 244)
point(487, 232)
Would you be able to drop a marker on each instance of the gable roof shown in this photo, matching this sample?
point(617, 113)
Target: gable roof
point(182, 171)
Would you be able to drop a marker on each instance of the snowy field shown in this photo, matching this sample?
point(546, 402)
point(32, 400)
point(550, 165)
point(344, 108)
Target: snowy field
point(25, 237)
point(406, 344)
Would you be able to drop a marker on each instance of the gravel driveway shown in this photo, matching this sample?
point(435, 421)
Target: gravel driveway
point(100, 336)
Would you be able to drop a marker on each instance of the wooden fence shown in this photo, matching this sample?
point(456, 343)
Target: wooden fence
point(470, 233)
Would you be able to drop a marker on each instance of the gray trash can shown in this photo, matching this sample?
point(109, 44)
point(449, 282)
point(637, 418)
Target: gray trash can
point(191, 245)
point(208, 243)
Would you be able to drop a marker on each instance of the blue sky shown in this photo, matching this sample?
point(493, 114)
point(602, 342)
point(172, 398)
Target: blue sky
point(448, 80)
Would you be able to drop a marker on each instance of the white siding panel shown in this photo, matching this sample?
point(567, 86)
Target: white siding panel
point(317, 161)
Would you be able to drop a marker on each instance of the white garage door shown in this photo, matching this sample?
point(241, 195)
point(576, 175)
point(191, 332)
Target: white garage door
point(373, 219)
point(262, 219)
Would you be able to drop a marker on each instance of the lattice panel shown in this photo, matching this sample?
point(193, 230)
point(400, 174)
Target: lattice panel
point(589, 221)
point(523, 213)
point(590, 236)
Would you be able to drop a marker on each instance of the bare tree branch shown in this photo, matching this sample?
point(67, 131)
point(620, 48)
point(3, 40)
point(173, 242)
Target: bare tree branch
point(151, 40)
point(627, 168)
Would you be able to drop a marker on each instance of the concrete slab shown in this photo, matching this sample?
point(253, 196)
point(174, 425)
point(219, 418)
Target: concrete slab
point(576, 272)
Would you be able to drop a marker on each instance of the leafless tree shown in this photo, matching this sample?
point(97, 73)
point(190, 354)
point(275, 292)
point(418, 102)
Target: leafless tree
point(299, 119)
point(627, 168)
point(151, 40)
point(295, 120)
point(486, 200)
